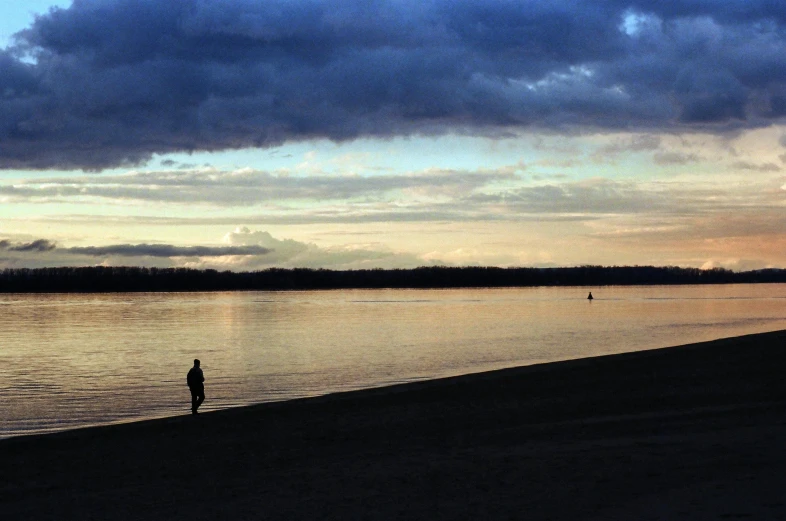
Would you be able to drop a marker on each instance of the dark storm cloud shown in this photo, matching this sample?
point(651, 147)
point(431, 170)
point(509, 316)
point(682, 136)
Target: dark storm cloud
point(134, 250)
point(39, 245)
point(112, 82)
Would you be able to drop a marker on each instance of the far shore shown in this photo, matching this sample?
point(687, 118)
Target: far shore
point(694, 432)
point(124, 279)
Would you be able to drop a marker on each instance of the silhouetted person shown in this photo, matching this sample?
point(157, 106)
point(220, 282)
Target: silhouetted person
point(196, 383)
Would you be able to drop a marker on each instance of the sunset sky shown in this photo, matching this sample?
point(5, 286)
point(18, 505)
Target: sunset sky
point(245, 134)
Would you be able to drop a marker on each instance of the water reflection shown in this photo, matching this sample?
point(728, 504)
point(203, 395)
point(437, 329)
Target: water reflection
point(69, 360)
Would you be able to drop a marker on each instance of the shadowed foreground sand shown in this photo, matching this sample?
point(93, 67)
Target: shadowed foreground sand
point(695, 432)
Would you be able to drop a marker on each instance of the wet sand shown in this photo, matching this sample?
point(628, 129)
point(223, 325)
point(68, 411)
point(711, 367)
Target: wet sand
point(694, 432)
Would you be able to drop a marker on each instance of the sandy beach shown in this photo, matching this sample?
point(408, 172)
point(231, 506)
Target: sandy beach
point(693, 432)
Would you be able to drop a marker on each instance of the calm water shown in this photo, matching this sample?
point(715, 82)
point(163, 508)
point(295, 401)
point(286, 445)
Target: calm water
point(74, 360)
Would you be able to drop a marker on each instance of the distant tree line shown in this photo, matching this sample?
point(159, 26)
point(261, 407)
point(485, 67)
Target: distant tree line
point(121, 279)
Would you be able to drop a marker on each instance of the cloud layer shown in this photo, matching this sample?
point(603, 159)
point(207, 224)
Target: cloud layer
point(108, 83)
point(244, 249)
point(133, 250)
point(246, 187)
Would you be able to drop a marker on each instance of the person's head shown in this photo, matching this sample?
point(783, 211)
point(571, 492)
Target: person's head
point(196, 362)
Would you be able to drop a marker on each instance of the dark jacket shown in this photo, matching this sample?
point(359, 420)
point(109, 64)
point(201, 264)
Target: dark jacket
point(195, 377)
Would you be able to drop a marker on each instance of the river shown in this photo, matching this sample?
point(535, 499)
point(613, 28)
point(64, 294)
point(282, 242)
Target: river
point(73, 360)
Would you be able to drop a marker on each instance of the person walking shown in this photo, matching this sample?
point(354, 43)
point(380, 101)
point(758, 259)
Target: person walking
point(196, 384)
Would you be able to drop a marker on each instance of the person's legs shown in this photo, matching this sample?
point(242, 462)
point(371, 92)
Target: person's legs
point(197, 397)
point(194, 399)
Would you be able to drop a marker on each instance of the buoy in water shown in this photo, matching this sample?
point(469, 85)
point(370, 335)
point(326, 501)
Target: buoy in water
point(590, 297)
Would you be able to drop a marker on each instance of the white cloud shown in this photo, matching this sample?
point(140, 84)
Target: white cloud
point(290, 253)
point(736, 264)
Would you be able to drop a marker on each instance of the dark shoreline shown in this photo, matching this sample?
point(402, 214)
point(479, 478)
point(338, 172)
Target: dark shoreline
point(103, 279)
point(690, 432)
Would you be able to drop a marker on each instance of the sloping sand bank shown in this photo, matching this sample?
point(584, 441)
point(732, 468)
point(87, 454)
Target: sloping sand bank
point(694, 432)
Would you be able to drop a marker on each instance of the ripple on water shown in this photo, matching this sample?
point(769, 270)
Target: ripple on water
point(76, 360)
